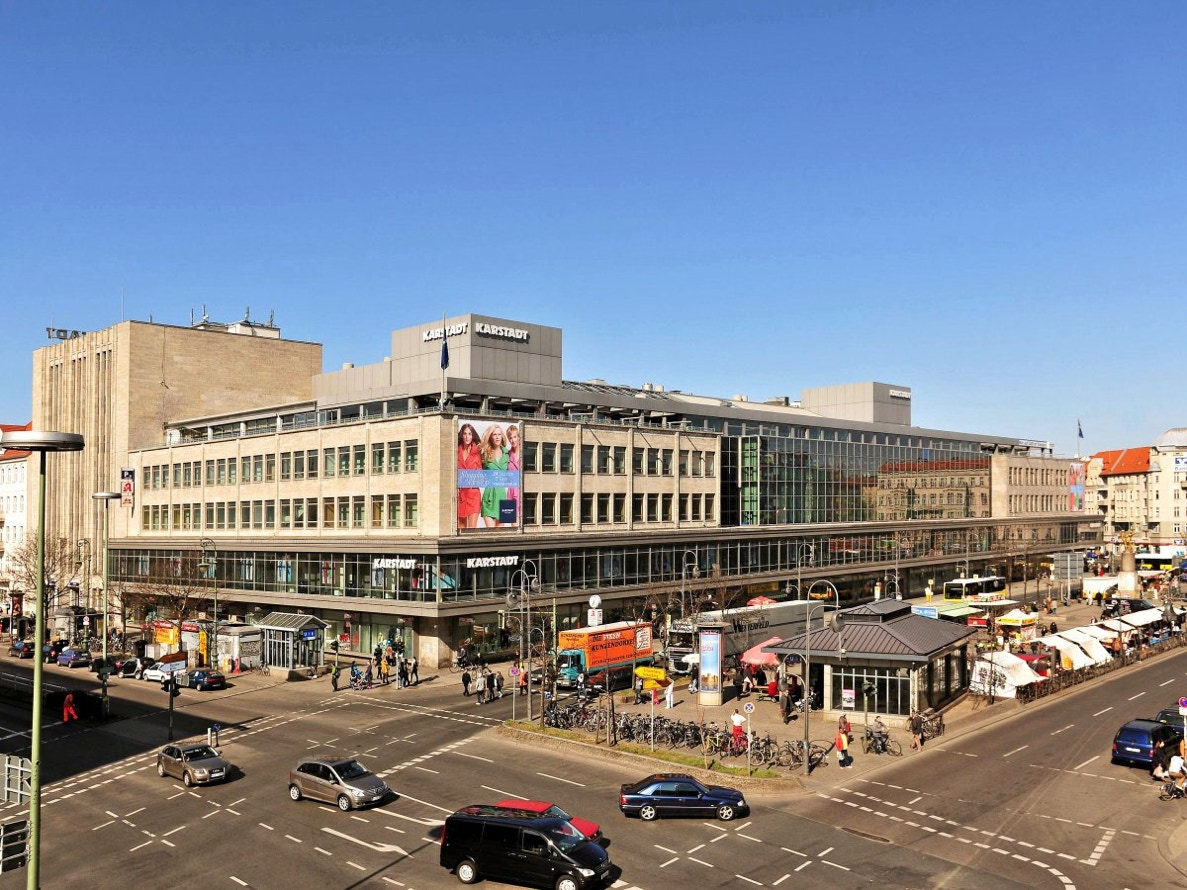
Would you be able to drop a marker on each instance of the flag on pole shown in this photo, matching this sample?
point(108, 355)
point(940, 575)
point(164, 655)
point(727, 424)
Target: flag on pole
point(1079, 430)
point(445, 353)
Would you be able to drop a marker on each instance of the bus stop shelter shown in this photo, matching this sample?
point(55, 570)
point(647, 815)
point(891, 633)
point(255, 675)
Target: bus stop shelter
point(292, 640)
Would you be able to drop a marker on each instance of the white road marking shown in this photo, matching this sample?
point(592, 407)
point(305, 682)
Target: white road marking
point(378, 848)
point(1058, 731)
point(473, 756)
point(1132, 697)
point(1084, 764)
point(559, 779)
point(1007, 754)
point(1105, 711)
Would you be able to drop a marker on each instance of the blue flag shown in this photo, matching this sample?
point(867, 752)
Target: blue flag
point(445, 353)
point(1079, 430)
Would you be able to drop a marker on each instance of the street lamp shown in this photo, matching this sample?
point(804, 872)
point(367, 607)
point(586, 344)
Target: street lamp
point(84, 568)
point(687, 558)
point(799, 565)
point(41, 442)
point(528, 581)
point(106, 497)
point(209, 566)
point(836, 623)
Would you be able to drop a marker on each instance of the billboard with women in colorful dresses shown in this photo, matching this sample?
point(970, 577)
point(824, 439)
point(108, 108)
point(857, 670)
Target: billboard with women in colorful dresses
point(489, 474)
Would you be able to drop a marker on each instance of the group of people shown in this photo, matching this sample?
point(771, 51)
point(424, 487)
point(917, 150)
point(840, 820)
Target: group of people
point(383, 666)
point(484, 507)
point(1170, 762)
point(487, 685)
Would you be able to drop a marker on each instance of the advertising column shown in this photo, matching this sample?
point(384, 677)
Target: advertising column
point(709, 665)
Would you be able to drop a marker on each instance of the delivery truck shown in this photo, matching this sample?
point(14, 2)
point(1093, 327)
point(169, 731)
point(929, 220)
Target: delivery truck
point(606, 654)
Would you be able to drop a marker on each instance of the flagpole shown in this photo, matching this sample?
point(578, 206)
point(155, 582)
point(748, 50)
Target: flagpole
point(444, 359)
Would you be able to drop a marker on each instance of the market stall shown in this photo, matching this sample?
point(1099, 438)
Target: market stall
point(1018, 626)
point(1001, 674)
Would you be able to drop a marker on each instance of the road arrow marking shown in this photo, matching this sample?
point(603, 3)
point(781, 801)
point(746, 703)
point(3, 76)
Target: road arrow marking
point(378, 848)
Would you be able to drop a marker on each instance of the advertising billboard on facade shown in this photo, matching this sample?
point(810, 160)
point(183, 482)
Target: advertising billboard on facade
point(489, 474)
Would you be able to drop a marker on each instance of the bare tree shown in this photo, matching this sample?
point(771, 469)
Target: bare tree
point(61, 567)
point(178, 589)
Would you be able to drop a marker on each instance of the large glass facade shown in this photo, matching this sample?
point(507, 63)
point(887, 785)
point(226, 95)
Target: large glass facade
point(789, 474)
point(854, 560)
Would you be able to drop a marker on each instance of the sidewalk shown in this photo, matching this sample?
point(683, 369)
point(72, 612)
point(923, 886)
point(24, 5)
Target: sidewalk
point(765, 718)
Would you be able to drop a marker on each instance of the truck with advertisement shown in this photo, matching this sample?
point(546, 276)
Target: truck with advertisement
point(745, 627)
point(607, 653)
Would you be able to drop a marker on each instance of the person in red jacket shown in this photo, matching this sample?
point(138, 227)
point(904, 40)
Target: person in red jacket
point(68, 712)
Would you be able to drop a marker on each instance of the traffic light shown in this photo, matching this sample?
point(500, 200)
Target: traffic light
point(174, 688)
point(334, 645)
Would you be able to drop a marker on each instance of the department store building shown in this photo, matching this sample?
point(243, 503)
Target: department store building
point(355, 496)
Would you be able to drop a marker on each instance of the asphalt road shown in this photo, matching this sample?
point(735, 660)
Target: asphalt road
point(1030, 802)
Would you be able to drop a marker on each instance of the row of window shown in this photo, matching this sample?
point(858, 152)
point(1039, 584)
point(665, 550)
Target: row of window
point(345, 460)
point(557, 509)
point(397, 457)
point(386, 511)
point(402, 511)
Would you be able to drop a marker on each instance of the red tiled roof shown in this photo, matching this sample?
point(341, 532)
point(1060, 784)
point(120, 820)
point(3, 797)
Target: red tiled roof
point(1125, 462)
point(14, 453)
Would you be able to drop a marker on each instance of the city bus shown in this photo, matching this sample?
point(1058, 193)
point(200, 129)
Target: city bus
point(963, 588)
point(1154, 562)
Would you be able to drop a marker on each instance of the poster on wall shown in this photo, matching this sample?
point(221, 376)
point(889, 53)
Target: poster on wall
point(489, 474)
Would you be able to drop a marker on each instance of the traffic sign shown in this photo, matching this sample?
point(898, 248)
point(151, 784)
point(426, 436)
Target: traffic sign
point(659, 683)
point(1183, 702)
point(649, 673)
point(749, 709)
point(172, 657)
point(172, 667)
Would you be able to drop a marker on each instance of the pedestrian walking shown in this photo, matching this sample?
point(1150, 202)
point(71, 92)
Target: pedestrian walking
point(413, 670)
point(916, 730)
point(334, 672)
point(670, 695)
point(523, 681)
point(841, 743)
point(499, 684)
point(384, 676)
point(68, 712)
point(402, 676)
point(480, 687)
point(466, 681)
point(368, 677)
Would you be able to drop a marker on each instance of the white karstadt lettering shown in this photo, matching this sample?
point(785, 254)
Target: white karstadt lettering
point(494, 330)
point(393, 562)
point(453, 330)
point(490, 562)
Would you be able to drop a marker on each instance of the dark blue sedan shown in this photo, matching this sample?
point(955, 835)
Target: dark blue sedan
point(676, 794)
point(73, 658)
point(203, 678)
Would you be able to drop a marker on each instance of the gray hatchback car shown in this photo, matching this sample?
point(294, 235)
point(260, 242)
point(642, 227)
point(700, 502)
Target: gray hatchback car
point(337, 780)
point(193, 764)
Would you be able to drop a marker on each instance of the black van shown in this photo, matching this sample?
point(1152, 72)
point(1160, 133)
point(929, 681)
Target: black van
point(522, 847)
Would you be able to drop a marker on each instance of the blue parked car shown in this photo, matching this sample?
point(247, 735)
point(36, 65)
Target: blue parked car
point(73, 658)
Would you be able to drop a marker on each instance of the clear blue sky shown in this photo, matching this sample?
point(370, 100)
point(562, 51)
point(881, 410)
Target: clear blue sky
point(984, 202)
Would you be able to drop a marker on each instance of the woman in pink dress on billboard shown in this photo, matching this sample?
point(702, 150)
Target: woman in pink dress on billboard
point(469, 500)
point(514, 463)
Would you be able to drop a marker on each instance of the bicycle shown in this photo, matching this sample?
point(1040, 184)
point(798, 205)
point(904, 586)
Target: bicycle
point(873, 744)
point(1171, 791)
point(933, 725)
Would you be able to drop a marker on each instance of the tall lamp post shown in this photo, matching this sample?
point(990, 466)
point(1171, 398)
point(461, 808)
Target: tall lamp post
point(84, 568)
point(689, 568)
point(106, 497)
point(528, 581)
point(836, 623)
point(799, 565)
point(209, 566)
point(41, 442)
